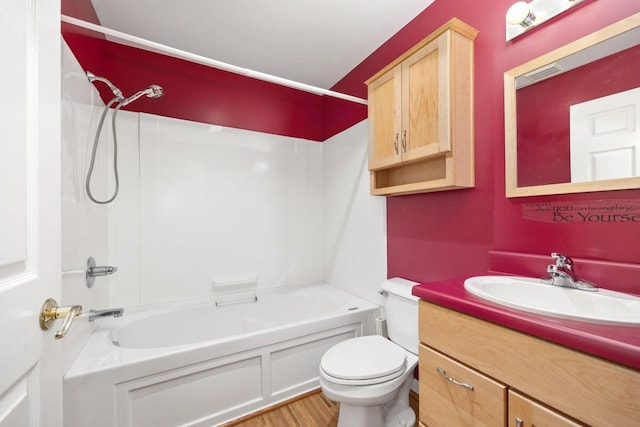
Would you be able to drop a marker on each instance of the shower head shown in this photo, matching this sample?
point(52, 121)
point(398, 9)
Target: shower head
point(117, 92)
point(153, 91)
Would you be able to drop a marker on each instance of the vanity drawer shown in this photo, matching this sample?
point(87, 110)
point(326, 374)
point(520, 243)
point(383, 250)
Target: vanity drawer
point(475, 400)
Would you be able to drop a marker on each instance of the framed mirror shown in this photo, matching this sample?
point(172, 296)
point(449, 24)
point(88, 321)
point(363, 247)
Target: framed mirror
point(572, 116)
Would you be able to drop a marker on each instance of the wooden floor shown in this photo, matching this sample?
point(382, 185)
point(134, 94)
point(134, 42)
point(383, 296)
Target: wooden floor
point(312, 409)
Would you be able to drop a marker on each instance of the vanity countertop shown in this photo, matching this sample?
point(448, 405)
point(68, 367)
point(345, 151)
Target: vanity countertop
point(616, 343)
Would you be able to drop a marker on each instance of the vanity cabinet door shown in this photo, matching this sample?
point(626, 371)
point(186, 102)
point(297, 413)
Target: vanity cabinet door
point(524, 412)
point(453, 395)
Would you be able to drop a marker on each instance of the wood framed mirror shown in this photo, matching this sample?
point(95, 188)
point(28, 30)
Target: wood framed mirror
point(572, 116)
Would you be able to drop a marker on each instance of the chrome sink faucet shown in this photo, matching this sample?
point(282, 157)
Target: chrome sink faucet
point(110, 312)
point(562, 274)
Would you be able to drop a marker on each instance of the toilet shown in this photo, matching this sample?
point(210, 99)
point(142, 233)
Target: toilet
point(371, 376)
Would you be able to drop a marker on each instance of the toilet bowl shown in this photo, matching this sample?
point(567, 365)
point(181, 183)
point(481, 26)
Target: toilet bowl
point(371, 376)
point(376, 392)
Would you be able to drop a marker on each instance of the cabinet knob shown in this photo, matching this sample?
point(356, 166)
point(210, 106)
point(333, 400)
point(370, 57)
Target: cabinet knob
point(395, 143)
point(519, 422)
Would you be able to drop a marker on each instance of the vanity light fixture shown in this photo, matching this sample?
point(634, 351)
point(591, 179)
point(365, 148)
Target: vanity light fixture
point(522, 16)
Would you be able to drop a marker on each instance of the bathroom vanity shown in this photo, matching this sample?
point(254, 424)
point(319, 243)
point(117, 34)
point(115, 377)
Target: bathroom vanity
point(486, 365)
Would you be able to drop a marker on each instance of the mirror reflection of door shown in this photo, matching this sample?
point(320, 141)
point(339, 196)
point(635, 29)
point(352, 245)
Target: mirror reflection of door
point(605, 137)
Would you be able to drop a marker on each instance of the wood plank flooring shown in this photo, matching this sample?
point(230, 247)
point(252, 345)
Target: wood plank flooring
point(311, 409)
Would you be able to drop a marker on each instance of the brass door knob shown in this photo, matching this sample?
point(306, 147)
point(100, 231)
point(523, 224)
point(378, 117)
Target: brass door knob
point(50, 312)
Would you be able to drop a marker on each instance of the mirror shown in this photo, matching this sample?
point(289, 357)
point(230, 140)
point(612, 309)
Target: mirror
point(572, 116)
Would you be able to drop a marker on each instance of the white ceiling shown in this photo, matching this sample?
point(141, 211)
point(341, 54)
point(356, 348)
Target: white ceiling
point(316, 42)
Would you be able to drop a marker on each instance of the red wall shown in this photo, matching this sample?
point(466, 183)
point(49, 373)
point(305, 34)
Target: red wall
point(429, 236)
point(439, 235)
point(200, 93)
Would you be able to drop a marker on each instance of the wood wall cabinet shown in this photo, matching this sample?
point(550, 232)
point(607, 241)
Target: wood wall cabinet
point(518, 380)
point(421, 116)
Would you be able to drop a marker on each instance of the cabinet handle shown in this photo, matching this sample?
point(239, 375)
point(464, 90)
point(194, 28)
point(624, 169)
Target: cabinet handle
point(395, 143)
point(404, 141)
point(444, 375)
point(519, 422)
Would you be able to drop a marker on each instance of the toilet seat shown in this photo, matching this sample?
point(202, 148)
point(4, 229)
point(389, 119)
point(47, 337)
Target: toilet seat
point(364, 360)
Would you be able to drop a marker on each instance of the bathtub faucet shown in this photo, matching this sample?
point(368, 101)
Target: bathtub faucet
point(110, 312)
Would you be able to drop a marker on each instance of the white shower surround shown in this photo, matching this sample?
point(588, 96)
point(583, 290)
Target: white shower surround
point(203, 204)
point(326, 227)
point(215, 204)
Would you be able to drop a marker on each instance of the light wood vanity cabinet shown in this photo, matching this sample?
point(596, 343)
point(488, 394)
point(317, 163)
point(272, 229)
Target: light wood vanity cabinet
point(518, 380)
point(421, 116)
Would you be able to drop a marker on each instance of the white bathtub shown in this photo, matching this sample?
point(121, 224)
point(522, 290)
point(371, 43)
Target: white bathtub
point(194, 364)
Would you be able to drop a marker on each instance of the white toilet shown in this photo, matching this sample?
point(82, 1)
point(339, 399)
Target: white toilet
point(371, 376)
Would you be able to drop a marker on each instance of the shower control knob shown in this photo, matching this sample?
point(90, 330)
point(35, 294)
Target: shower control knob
point(94, 271)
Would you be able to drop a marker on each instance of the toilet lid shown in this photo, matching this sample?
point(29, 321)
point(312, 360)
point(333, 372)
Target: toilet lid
point(364, 358)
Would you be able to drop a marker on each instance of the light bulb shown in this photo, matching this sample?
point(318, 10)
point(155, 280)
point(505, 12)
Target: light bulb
point(520, 14)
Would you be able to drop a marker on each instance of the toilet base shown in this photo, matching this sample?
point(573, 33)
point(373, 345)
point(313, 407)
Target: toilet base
point(372, 416)
point(352, 416)
point(404, 418)
point(393, 413)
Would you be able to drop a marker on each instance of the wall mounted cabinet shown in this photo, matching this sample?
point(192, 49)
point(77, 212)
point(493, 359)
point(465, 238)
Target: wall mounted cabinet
point(477, 373)
point(421, 116)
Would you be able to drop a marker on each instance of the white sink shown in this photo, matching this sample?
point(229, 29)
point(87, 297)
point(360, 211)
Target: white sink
point(603, 306)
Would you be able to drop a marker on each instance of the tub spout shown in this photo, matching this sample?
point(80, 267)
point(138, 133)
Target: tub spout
point(110, 312)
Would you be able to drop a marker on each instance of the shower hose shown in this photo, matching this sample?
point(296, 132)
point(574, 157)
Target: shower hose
point(115, 153)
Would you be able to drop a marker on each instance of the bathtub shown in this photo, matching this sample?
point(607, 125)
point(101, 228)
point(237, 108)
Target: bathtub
point(197, 364)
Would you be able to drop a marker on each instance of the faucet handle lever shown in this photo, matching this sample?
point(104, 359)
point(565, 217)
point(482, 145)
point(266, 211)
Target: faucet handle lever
point(562, 260)
point(50, 312)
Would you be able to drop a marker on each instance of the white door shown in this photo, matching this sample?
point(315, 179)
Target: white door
point(605, 137)
point(30, 370)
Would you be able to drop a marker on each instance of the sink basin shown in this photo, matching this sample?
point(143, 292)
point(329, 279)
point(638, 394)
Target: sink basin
point(524, 293)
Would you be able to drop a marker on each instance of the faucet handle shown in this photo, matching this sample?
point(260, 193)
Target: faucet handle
point(92, 271)
point(50, 312)
point(562, 260)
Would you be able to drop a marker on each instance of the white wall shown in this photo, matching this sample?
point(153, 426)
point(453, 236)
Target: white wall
point(355, 241)
point(214, 204)
point(84, 224)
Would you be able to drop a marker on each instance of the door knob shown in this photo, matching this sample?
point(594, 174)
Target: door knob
point(50, 312)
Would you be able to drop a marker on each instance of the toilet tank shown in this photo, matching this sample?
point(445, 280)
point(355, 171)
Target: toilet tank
point(401, 309)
